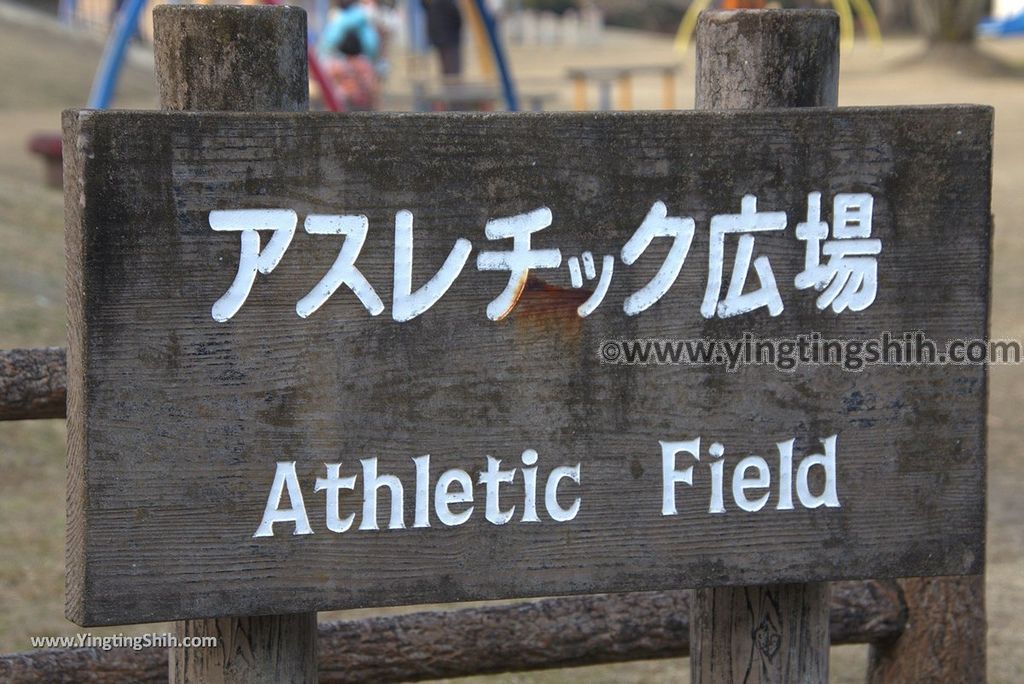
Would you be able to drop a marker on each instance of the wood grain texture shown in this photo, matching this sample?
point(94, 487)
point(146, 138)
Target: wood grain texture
point(761, 60)
point(550, 633)
point(76, 478)
point(33, 383)
point(231, 58)
point(761, 634)
point(765, 59)
point(237, 59)
point(85, 666)
point(258, 650)
point(945, 640)
point(186, 417)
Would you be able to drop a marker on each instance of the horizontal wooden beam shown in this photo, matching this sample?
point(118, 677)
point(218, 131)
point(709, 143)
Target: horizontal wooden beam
point(551, 633)
point(33, 383)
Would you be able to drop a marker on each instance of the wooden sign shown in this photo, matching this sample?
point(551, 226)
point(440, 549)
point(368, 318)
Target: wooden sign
point(322, 361)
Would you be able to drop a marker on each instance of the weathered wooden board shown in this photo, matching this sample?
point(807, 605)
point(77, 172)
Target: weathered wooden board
point(177, 421)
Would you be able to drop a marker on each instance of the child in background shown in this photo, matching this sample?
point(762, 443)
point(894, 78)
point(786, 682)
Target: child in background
point(387, 22)
point(350, 16)
point(353, 75)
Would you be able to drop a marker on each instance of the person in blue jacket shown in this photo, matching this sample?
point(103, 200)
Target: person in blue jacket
point(350, 17)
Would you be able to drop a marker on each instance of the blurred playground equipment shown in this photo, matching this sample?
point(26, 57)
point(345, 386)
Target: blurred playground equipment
point(126, 20)
point(573, 28)
point(1007, 19)
point(849, 12)
point(99, 15)
point(1011, 26)
point(48, 147)
point(606, 78)
point(491, 87)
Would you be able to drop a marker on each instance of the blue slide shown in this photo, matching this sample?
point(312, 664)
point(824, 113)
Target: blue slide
point(125, 26)
point(1011, 26)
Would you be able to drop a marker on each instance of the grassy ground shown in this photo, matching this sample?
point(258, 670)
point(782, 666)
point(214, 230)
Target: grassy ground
point(43, 71)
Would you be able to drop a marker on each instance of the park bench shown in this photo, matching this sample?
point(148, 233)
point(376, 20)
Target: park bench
point(468, 97)
point(606, 78)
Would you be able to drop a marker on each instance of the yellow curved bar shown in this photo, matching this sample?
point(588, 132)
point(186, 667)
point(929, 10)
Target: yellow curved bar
point(844, 8)
point(480, 39)
point(870, 21)
point(689, 24)
point(847, 30)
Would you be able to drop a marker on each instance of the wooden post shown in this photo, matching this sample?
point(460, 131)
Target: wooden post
point(764, 59)
point(759, 59)
point(556, 632)
point(944, 640)
point(229, 58)
point(234, 59)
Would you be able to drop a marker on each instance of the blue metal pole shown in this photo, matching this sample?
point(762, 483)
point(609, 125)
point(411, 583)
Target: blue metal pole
point(66, 11)
point(319, 17)
point(113, 54)
point(417, 27)
point(508, 86)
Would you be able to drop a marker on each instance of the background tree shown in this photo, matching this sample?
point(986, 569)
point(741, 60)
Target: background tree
point(949, 21)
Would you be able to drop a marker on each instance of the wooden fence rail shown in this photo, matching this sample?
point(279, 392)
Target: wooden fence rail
point(551, 633)
point(33, 383)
